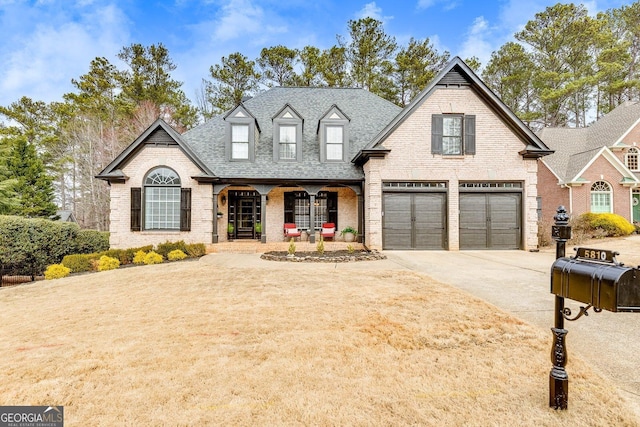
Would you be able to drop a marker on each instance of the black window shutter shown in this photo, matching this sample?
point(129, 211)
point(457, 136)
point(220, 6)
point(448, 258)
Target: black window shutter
point(469, 134)
point(185, 209)
point(332, 207)
point(436, 134)
point(136, 211)
point(289, 206)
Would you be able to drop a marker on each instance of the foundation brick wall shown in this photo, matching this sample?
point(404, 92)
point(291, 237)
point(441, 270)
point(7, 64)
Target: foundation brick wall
point(410, 159)
point(121, 236)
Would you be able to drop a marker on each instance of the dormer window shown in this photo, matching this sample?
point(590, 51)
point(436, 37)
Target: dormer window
point(242, 132)
point(287, 135)
point(240, 142)
point(335, 142)
point(334, 136)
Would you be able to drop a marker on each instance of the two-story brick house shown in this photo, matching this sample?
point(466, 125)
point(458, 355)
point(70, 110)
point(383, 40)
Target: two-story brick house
point(593, 169)
point(455, 169)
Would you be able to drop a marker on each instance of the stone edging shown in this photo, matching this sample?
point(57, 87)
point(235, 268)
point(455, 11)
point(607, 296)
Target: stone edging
point(314, 257)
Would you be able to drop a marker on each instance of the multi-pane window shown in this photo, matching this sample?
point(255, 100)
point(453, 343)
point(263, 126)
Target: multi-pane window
point(600, 197)
point(297, 209)
point(334, 142)
point(287, 142)
point(631, 159)
point(239, 141)
point(452, 135)
point(162, 200)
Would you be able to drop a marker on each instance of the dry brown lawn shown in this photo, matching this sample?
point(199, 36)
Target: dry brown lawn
point(197, 343)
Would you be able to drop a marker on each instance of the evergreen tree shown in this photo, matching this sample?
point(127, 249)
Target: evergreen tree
point(233, 80)
point(34, 187)
point(369, 51)
point(277, 64)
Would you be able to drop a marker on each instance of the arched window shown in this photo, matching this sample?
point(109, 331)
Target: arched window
point(631, 159)
point(162, 200)
point(601, 197)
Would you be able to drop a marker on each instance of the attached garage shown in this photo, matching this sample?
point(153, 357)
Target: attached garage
point(491, 220)
point(414, 216)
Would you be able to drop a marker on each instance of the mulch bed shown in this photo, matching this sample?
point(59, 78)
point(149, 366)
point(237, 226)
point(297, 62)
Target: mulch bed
point(328, 256)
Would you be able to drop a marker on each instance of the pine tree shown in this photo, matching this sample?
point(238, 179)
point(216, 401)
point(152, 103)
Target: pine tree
point(34, 187)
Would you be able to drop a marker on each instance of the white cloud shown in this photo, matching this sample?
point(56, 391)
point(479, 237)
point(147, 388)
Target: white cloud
point(238, 17)
point(371, 10)
point(476, 43)
point(44, 59)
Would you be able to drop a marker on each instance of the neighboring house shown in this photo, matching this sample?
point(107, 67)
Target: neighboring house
point(66, 216)
point(593, 169)
point(455, 169)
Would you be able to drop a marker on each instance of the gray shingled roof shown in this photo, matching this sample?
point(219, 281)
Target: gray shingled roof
point(368, 114)
point(574, 148)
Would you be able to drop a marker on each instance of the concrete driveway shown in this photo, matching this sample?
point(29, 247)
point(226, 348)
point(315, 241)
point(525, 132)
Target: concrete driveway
point(519, 282)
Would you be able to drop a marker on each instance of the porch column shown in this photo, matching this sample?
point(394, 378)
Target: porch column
point(312, 218)
point(263, 217)
point(361, 224)
point(214, 237)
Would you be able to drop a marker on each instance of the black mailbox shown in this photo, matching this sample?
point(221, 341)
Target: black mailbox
point(594, 277)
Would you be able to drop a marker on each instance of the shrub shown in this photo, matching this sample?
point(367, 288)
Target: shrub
point(129, 254)
point(153, 258)
point(138, 258)
point(292, 247)
point(176, 255)
point(195, 250)
point(166, 247)
point(320, 246)
point(91, 241)
point(79, 263)
point(56, 271)
point(350, 249)
point(29, 245)
point(604, 225)
point(108, 263)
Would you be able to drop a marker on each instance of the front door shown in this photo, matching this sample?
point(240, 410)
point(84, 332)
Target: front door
point(246, 217)
point(636, 207)
point(244, 213)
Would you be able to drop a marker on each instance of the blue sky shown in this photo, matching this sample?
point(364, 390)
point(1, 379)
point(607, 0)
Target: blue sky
point(46, 43)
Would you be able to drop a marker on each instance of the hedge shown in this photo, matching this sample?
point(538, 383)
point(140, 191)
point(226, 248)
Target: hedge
point(29, 245)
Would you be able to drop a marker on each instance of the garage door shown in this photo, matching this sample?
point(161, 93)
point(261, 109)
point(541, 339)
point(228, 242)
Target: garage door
point(414, 221)
point(490, 220)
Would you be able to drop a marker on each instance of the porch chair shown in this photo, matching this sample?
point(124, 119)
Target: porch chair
point(290, 230)
point(328, 231)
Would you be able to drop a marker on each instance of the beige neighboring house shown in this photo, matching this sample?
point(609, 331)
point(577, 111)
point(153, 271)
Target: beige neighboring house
point(594, 169)
point(455, 169)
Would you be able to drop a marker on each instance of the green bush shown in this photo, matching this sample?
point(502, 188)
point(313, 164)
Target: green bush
point(56, 271)
point(108, 263)
point(153, 258)
point(604, 225)
point(91, 241)
point(29, 245)
point(195, 250)
point(166, 247)
point(176, 255)
point(79, 263)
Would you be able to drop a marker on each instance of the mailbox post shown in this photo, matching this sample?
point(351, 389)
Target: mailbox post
point(593, 277)
point(558, 378)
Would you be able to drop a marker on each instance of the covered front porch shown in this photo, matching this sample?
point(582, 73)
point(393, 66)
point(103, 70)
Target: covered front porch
point(258, 212)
